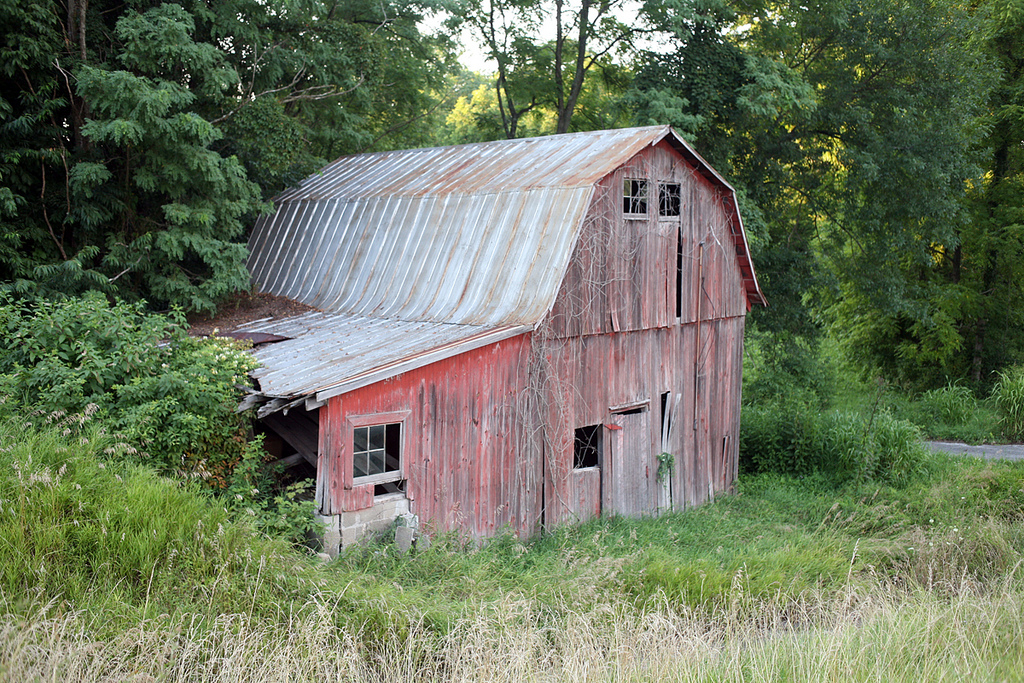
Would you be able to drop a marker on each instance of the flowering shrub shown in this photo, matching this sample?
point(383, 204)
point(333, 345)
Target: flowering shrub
point(171, 396)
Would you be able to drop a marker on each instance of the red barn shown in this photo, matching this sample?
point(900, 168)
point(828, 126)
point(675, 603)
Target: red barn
point(510, 334)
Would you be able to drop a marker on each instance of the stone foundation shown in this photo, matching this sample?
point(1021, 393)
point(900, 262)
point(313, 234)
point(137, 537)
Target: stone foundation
point(341, 531)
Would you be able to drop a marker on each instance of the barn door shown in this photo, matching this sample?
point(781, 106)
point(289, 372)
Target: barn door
point(628, 476)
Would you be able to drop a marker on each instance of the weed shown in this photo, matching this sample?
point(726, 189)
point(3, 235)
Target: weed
point(1009, 399)
point(798, 440)
point(953, 404)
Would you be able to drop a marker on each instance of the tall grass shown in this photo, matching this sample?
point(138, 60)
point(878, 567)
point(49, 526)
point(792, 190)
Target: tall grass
point(799, 439)
point(79, 526)
point(1009, 397)
point(111, 573)
point(859, 634)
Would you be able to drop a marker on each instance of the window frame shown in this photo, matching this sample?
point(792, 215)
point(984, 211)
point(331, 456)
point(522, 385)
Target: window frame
point(632, 200)
point(592, 439)
point(354, 422)
point(677, 196)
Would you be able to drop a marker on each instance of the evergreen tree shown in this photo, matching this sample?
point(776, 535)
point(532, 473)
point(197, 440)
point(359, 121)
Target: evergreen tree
point(138, 140)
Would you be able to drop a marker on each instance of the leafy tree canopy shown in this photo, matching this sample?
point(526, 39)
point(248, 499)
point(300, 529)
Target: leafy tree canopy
point(853, 128)
point(138, 140)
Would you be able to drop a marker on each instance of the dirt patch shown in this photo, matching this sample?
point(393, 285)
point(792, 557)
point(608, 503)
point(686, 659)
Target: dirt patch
point(245, 307)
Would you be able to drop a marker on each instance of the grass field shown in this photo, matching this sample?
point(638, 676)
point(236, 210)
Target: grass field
point(108, 572)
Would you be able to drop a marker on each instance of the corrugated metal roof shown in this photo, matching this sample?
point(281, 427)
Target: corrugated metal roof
point(467, 259)
point(432, 249)
point(330, 354)
point(503, 166)
point(475, 234)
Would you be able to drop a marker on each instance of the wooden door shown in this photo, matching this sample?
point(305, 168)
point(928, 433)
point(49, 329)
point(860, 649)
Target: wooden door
point(628, 475)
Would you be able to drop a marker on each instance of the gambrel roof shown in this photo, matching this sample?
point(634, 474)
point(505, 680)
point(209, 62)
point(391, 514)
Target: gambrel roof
point(443, 246)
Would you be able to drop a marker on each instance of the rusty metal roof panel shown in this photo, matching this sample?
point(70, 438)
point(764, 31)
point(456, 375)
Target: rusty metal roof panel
point(325, 352)
point(570, 160)
point(475, 259)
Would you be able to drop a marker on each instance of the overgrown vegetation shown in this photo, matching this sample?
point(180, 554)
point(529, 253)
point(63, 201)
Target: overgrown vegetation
point(109, 571)
point(167, 400)
point(798, 440)
point(1008, 395)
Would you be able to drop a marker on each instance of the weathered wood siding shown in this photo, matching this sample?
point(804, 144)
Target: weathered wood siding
point(465, 443)
point(622, 276)
point(613, 340)
point(596, 379)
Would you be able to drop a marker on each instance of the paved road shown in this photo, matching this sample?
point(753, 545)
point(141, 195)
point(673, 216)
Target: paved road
point(990, 451)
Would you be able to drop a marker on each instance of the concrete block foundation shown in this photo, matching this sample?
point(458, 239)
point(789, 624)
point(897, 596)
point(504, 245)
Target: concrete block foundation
point(341, 531)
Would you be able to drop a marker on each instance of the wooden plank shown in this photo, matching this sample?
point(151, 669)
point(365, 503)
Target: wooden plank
point(299, 431)
point(586, 493)
point(629, 477)
point(290, 461)
point(450, 460)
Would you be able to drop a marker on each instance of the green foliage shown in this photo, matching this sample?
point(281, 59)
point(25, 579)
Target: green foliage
point(130, 154)
point(851, 128)
point(170, 395)
point(183, 412)
point(783, 366)
point(952, 404)
point(798, 440)
point(988, 261)
point(1009, 399)
point(539, 79)
point(898, 447)
point(80, 530)
point(64, 355)
point(666, 466)
point(170, 398)
point(290, 514)
point(178, 203)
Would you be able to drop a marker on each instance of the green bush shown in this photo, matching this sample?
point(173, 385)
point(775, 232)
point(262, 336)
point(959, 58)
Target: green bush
point(171, 396)
point(953, 404)
point(64, 355)
point(797, 440)
point(898, 449)
point(289, 514)
point(951, 413)
point(1009, 399)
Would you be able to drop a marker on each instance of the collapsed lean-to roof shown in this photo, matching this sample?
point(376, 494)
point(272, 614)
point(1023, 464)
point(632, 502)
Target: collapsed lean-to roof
point(416, 255)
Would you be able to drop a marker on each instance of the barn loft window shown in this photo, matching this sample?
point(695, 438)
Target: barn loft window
point(377, 453)
point(634, 197)
point(586, 447)
point(669, 202)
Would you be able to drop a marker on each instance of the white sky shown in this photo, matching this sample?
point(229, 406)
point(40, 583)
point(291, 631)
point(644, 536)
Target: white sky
point(473, 55)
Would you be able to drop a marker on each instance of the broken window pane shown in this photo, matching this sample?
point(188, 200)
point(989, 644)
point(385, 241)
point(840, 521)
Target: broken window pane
point(377, 450)
point(587, 447)
point(634, 197)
